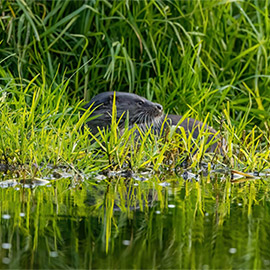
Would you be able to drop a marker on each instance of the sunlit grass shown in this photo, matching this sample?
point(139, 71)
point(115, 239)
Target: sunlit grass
point(175, 53)
point(202, 59)
point(38, 134)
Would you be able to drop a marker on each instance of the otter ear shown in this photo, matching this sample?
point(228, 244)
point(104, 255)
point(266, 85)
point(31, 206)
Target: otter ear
point(108, 100)
point(111, 99)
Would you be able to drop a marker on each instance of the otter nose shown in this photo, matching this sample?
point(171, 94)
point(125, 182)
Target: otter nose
point(159, 107)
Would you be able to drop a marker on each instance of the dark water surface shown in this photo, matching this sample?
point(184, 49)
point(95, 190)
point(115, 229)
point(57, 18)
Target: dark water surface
point(136, 225)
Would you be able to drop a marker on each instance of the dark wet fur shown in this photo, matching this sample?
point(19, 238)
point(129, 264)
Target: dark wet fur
point(140, 110)
point(192, 126)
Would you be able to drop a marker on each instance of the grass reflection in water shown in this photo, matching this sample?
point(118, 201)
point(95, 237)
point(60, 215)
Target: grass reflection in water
point(132, 224)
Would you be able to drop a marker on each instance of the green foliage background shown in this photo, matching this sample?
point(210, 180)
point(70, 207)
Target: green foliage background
point(207, 57)
point(200, 55)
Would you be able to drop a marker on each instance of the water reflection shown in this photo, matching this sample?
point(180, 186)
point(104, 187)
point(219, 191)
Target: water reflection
point(133, 224)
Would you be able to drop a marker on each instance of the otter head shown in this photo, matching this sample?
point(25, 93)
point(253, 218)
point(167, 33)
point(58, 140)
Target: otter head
point(141, 111)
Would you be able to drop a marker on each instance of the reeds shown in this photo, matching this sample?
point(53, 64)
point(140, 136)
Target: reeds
point(197, 55)
point(202, 59)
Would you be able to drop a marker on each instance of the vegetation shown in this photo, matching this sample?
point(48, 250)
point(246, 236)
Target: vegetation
point(203, 59)
point(209, 58)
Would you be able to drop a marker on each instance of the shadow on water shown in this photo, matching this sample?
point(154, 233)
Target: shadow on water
point(136, 224)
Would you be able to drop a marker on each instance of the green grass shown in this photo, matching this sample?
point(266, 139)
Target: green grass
point(203, 59)
point(39, 127)
point(195, 55)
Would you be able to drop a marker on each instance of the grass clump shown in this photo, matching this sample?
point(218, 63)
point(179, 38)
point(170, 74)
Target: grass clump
point(39, 135)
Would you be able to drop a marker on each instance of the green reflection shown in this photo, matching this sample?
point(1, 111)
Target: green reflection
point(131, 224)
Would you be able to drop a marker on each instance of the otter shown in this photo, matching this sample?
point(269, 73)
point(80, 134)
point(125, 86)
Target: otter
point(143, 113)
point(139, 110)
point(192, 126)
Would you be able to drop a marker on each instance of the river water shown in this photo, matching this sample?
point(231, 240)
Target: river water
point(130, 224)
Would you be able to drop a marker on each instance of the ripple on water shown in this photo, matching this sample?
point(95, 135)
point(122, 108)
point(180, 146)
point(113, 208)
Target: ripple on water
point(6, 216)
point(6, 245)
point(126, 242)
point(232, 250)
point(6, 260)
point(53, 254)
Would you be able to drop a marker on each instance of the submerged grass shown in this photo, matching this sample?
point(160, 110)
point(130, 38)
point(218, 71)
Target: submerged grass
point(208, 58)
point(185, 225)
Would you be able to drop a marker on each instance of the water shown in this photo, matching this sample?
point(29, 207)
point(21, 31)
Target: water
point(133, 224)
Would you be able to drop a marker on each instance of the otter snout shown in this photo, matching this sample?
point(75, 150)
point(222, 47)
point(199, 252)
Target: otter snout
point(158, 107)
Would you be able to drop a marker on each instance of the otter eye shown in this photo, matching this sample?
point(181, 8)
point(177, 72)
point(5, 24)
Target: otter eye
point(140, 102)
